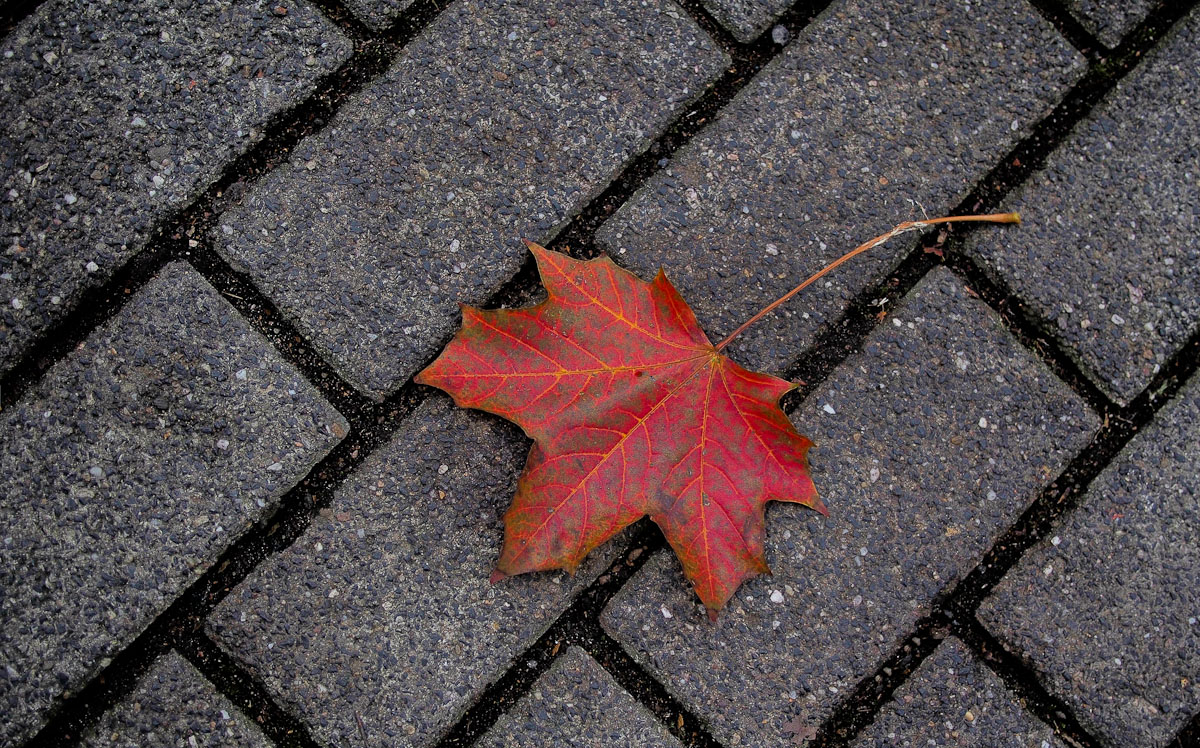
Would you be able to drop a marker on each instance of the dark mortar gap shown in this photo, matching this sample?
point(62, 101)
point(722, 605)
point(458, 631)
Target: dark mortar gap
point(245, 691)
point(1021, 681)
point(1189, 736)
point(341, 16)
point(571, 627)
point(1071, 29)
point(861, 705)
point(683, 723)
point(12, 13)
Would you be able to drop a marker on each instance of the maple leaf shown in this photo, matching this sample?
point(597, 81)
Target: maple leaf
point(633, 412)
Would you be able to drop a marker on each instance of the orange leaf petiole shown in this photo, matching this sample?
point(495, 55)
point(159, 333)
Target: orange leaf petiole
point(899, 229)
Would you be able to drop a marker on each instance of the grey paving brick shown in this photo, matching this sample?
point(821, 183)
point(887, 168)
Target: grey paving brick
point(746, 19)
point(576, 703)
point(1109, 254)
point(174, 706)
point(929, 444)
point(924, 96)
point(378, 14)
point(114, 115)
point(127, 470)
point(501, 121)
point(954, 700)
point(382, 611)
point(1107, 607)
point(1109, 21)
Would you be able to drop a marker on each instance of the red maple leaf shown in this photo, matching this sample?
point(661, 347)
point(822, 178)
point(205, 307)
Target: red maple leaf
point(633, 412)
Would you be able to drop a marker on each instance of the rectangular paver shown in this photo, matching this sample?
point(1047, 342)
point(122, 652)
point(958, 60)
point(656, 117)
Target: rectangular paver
point(576, 703)
point(173, 707)
point(127, 470)
point(953, 699)
point(1110, 21)
point(500, 122)
point(382, 611)
point(1109, 255)
point(928, 445)
point(1108, 607)
point(113, 115)
point(877, 110)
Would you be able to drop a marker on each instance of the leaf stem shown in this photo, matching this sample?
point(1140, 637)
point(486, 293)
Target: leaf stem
point(899, 229)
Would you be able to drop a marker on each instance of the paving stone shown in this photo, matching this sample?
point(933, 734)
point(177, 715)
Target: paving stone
point(1107, 607)
point(576, 703)
point(127, 470)
point(930, 443)
point(1110, 22)
point(378, 14)
point(876, 110)
point(746, 19)
point(500, 122)
point(174, 706)
point(382, 610)
point(1109, 253)
point(114, 115)
point(954, 700)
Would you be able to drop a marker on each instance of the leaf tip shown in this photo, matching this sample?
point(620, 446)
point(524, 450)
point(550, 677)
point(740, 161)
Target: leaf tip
point(712, 614)
point(819, 505)
point(496, 576)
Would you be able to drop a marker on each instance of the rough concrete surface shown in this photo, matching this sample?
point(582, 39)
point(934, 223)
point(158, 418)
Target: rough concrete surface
point(877, 111)
point(126, 472)
point(499, 123)
point(174, 706)
point(1107, 607)
point(1109, 253)
point(383, 608)
point(1110, 21)
point(953, 700)
point(929, 444)
point(114, 115)
point(746, 19)
point(579, 705)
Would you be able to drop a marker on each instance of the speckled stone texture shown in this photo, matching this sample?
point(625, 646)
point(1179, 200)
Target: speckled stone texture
point(500, 122)
point(877, 109)
point(175, 707)
point(954, 701)
point(928, 445)
point(378, 14)
point(576, 704)
point(127, 470)
point(383, 607)
point(746, 19)
point(1110, 21)
point(113, 115)
point(1107, 607)
point(1109, 253)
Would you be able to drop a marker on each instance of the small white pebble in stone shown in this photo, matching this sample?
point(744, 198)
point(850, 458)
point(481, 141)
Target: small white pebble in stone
point(96, 472)
point(772, 250)
point(56, 300)
point(1118, 319)
point(69, 199)
point(275, 467)
point(224, 715)
point(776, 596)
point(241, 375)
point(829, 409)
point(862, 551)
point(983, 423)
point(319, 547)
point(333, 593)
point(222, 444)
point(18, 304)
point(1048, 570)
point(158, 181)
point(897, 322)
point(91, 266)
point(666, 613)
point(226, 229)
point(512, 36)
point(775, 624)
point(874, 474)
point(1055, 540)
point(442, 469)
point(454, 245)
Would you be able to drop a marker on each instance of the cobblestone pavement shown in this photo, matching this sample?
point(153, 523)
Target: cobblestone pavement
point(233, 230)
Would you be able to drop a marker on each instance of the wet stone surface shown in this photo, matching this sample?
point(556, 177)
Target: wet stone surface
point(929, 444)
point(876, 110)
point(500, 122)
point(746, 19)
point(114, 115)
point(1110, 21)
point(174, 706)
point(577, 704)
point(127, 470)
point(383, 608)
point(1109, 252)
point(1107, 607)
point(955, 700)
